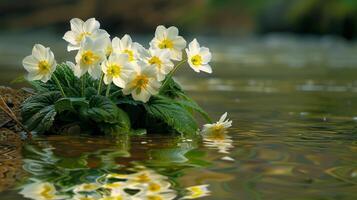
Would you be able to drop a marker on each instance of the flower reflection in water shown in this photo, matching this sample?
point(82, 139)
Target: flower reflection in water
point(142, 184)
point(57, 178)
point(215, 136)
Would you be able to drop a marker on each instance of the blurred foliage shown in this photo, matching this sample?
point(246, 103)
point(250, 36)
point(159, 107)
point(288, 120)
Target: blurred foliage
point(338, 17)
point(233, 17)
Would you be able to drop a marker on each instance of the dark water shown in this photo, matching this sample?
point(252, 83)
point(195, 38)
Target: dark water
point(293, 103)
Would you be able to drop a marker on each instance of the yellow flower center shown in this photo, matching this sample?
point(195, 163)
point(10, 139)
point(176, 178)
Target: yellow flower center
point(166, 44)
point(154, 197)
point(141, 82)
point(155, 61)
point(113, 185)
point(114, 70)
point(196, 60)
point(47, 192)
point(130, 54)
point(113, 198)
point(89, 187)
point(154, 187)
point(43, 67)
point(82, 35)
point(196, 192)
point(88, 58)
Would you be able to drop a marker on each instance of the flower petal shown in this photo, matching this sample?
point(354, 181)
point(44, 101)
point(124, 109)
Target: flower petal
point(30, 63)
point(172, 32)
point(160, 32)
point(206, 68)
point(39, 51)
point(77, 25)
point(91, 25)
point(179, 43)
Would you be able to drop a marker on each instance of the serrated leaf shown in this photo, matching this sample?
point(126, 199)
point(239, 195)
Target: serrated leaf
point(107, 115)
point(38, 111)
point(173, 114)
point(69, 104)
point(191, 104)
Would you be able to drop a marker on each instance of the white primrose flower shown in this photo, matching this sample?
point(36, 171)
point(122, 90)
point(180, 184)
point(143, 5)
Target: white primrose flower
point(198, 57)
point(40, 64)
point(86, 187)
point(89, 57)
point(117, 69)
point(80, 30)
point(197, 191)
point(127, 46)
point(41, 191)
point(160, 60)
point(219, 127)
point(159, 186)
point(142, 83)
point(168, 38)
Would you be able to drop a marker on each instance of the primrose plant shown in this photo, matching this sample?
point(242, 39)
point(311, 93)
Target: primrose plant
point(114, 86)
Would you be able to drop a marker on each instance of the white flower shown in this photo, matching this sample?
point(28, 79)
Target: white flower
point(41, 191)
point(154, 187)
point(142, 83)
point(198, 57)
point(222, 145)
point(108, 46)
point(89, 57)
point(168, 38)
point(40, 64)
point(219, 127)
point(145, 176)
point(160, 60)
point(127, 46)
point(80, 30)
point(117, 69)
point(197, 192)
point(86, 187)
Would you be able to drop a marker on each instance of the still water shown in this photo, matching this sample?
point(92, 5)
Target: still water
point(293, 102)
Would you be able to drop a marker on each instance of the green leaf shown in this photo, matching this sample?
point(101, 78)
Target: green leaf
point(173, 114)
point(189, 103)
point(107, 115)
point(172, 89)
point(69, 104)
point(38, 111)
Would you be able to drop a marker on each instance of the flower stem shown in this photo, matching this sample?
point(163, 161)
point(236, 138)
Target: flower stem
point(100, 84)
point(59, 85)
point(172, 73)
point(82, 85)
point(108, 90)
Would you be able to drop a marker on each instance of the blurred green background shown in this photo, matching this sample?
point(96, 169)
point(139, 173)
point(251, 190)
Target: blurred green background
point(255, 37)
point(209, 17)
